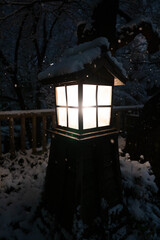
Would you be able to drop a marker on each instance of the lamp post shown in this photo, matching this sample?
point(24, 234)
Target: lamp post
point(83, 165)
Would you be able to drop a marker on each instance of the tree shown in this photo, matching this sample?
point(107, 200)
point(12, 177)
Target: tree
point(32, 42)
point(42, 30)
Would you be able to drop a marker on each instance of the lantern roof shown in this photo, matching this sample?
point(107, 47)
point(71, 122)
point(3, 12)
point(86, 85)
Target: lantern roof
point(85, 60)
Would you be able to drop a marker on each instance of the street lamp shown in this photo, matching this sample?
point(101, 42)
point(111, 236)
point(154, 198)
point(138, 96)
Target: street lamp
point(83, 164)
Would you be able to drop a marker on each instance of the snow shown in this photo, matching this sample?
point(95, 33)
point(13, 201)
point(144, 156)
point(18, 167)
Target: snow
point(137, 21)
point(23, 112)
point(133, 23)
point(74, 59)
point(117, 63)
point(21, 186)
point(23, 218)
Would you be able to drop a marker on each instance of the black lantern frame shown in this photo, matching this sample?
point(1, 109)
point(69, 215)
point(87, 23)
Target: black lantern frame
point(100, 73)
point(81, 132)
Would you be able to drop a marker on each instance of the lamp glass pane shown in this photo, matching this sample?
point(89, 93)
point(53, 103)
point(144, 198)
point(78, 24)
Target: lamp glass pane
point(89, 95)
point(104, 116)
point(73, 118)
point(62, 116)
point(72, 95)
point(104, 95)
point(89, 118)
point(60, 96)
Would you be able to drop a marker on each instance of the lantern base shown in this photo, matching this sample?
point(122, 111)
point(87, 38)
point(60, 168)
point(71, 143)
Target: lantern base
point(85, 135)
point(81, 176)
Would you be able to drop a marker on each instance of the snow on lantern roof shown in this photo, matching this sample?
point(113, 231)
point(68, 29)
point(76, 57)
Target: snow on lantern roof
point(75, 60)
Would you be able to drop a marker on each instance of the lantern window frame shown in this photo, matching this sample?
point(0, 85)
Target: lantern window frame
point(80, 107)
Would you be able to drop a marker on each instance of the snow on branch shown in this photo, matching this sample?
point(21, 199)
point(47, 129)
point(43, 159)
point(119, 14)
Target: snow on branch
point(141, 25)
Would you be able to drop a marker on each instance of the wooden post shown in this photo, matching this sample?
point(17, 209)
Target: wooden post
point(44, 132)
point(23, 133)
point(0, 142)
point(118, 120)
point(53, 120)
point(11, 135)
point(34, 142)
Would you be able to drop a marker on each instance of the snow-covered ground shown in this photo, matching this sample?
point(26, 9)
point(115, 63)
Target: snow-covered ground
point(21, 186)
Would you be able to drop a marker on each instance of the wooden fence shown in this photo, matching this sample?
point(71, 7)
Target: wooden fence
point(121, 114)
point(8, 118)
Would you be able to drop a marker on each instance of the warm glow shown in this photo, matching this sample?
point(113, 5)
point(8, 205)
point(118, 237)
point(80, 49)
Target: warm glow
point(62, 116)
point(89, 118)
point(96, 106)
point(72, 95)
point(117, 82)
point(73, 118)
point(60, 96)
point(104, 95)
point(104, 116)
point(89, 95)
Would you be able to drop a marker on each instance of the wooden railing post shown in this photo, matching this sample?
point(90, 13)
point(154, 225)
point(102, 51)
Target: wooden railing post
point(118, 120)
point(11, 134)
point(34, 142)
point(44, 124)
point(53, 120)
point(0, 142)
point(23, 133)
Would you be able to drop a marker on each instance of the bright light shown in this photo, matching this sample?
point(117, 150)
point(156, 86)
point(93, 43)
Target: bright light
point(60, 96)
point(104, 95)
point(73, 118)
point(104, 116)
point(96, 106)
point(72, 95)
point(89, 118)
point(62, 116)
point(89, 95)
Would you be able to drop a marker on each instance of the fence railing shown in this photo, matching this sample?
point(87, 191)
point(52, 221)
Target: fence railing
point(121, 113)
point(28, 120)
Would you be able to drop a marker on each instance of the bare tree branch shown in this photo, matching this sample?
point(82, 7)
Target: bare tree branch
point(46, 40)
point(20, 3)
point(14, 79)
point(5, 62)
point(8, 98)
point(12, 13)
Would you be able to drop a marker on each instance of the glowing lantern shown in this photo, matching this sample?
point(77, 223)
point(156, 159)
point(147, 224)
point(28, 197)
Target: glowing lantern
point(83, 106)
point(83, 165)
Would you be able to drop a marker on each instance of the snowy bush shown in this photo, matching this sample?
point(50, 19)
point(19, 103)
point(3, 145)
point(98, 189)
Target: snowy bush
point(140, 198)
point(23, 218)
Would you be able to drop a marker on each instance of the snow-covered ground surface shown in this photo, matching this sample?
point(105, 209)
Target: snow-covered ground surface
point(21, 186)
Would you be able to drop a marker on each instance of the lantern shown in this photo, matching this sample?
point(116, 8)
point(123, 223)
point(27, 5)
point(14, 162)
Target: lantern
point(82, 108)
point(84, 105)
point(83, 163)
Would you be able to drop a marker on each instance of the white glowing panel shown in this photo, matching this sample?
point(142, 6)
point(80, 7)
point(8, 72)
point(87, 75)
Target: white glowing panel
point(104, 116)
point(89, 95)
point(104, 95)
point(60, 96)
point(89, 118)
point(62, 116)
point(72, 95)
point(73, 118)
